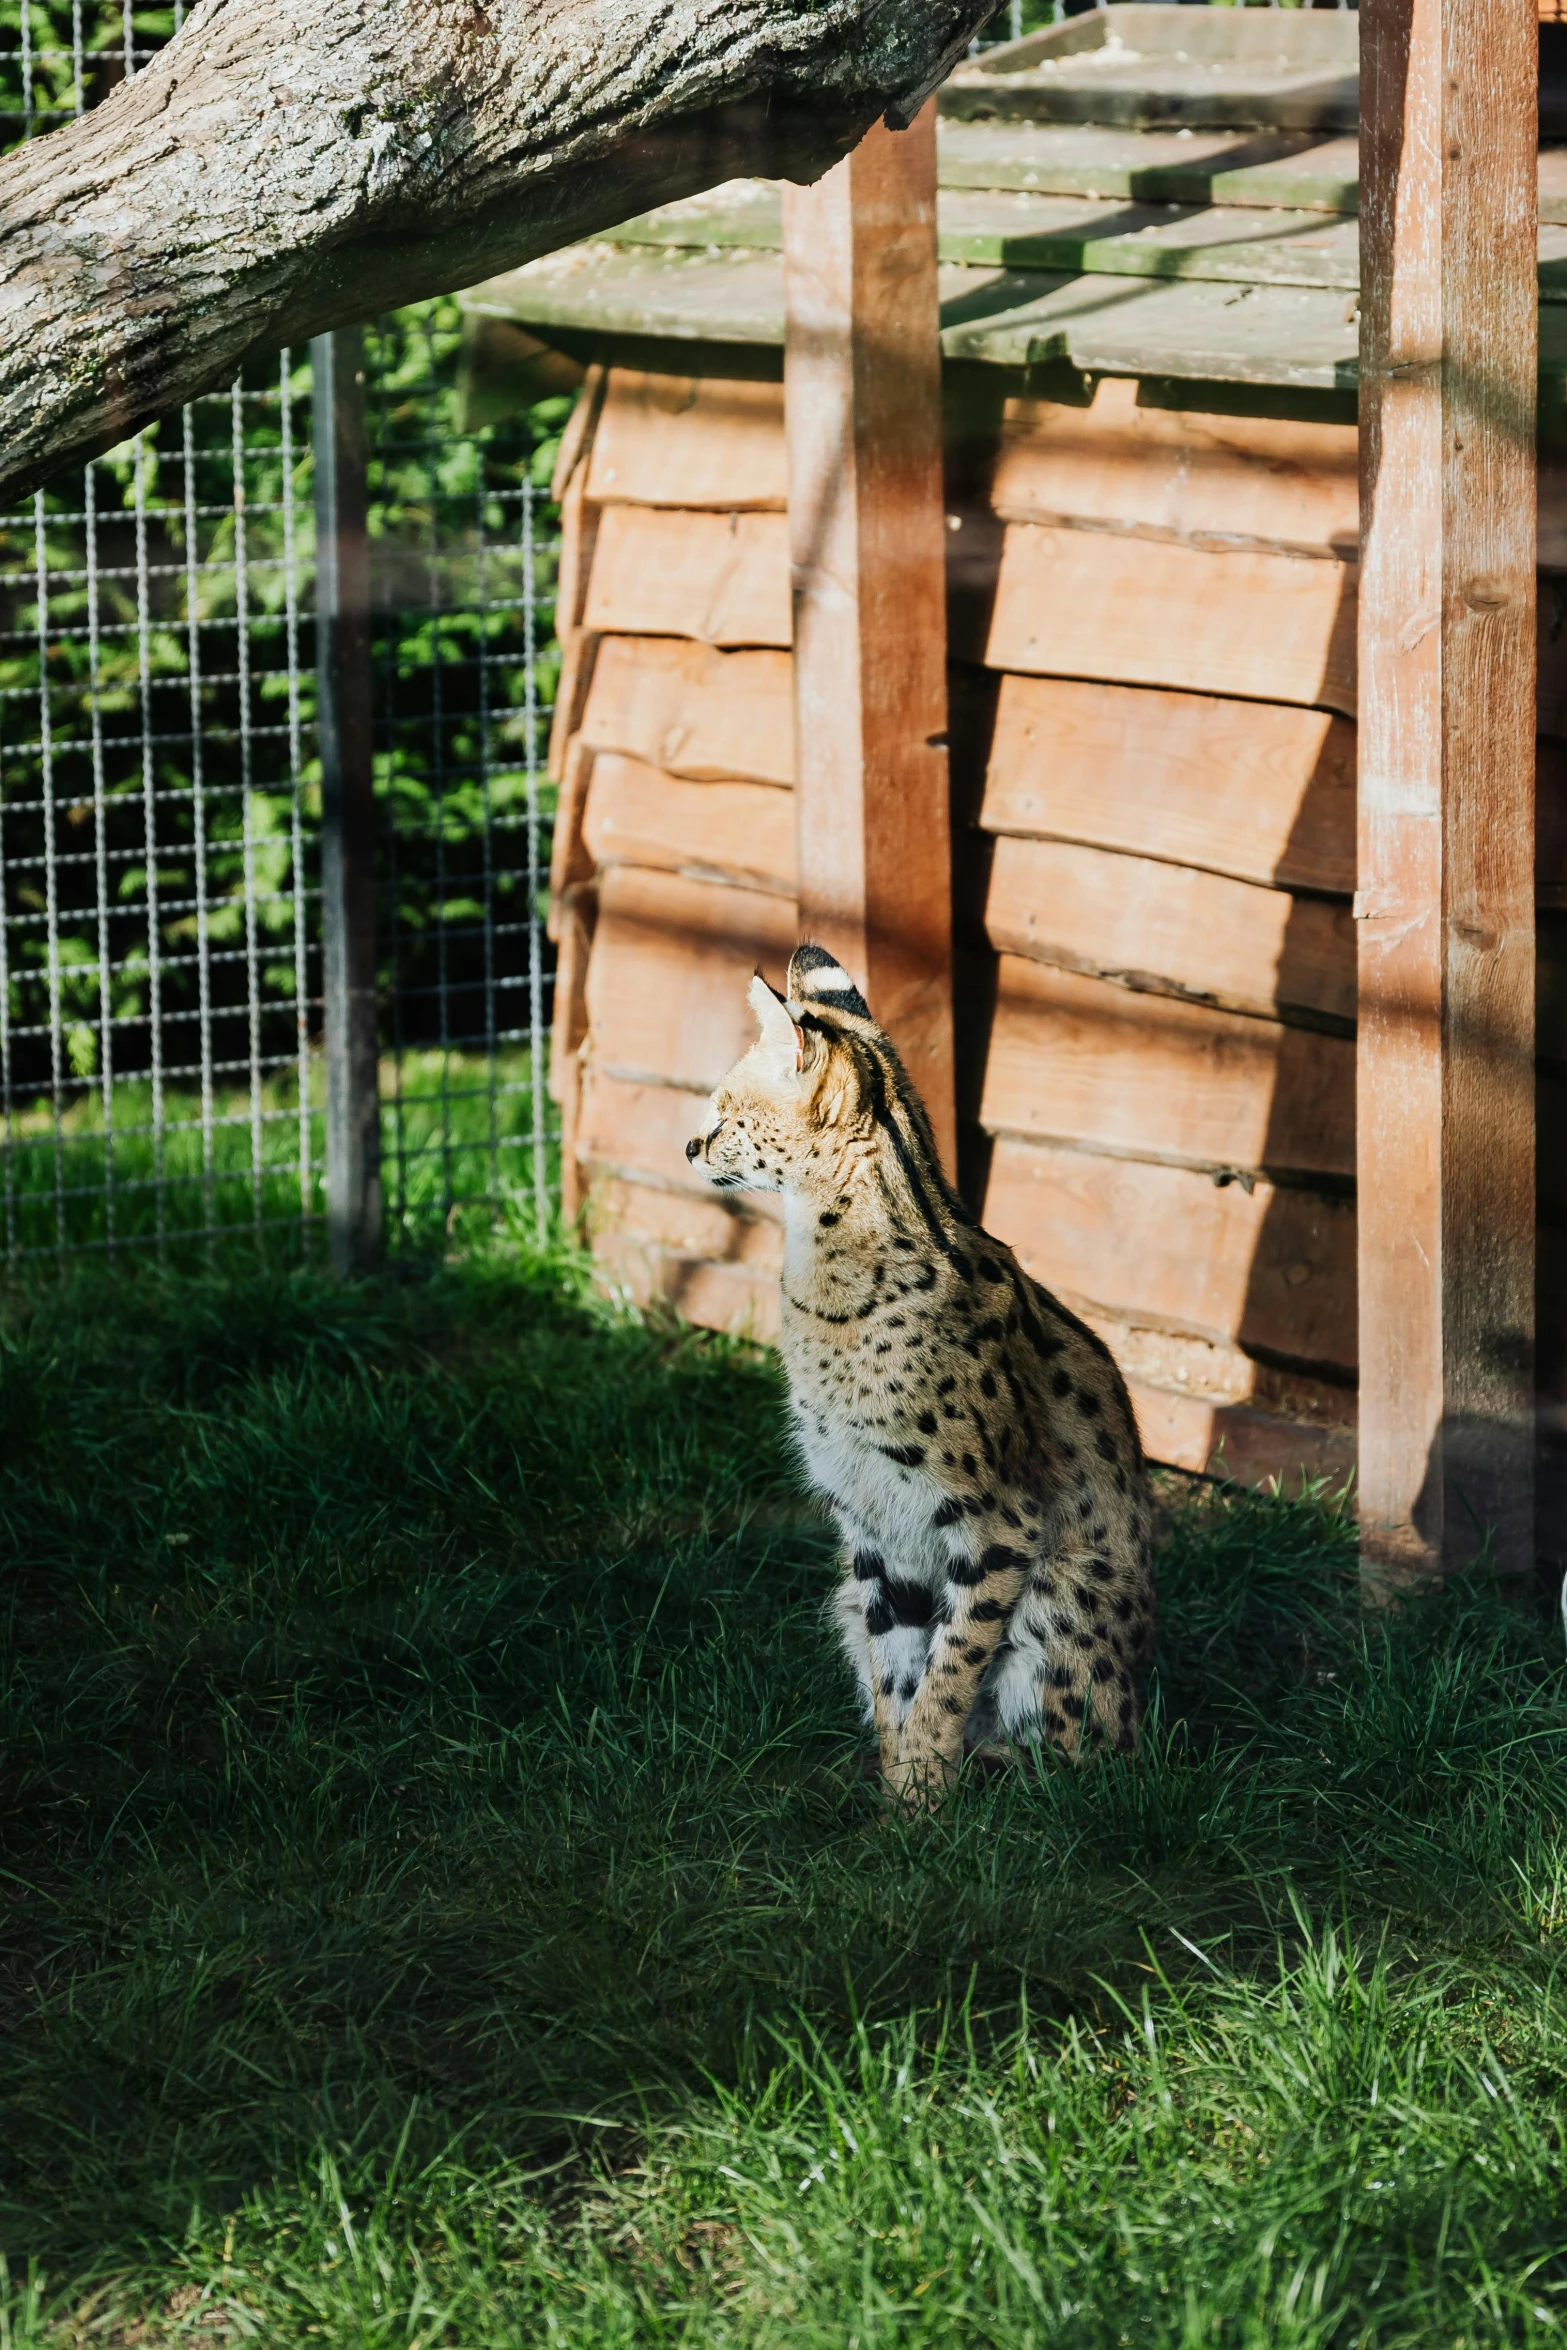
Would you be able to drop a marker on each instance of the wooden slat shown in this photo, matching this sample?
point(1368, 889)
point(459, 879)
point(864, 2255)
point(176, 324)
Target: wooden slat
point(720, 578)
point(572, 920)
point(1140, 611)
point(1446, 1079)
point(1207, 479)
point(693, 710)
point(1079, 1060)
point(1172, 929)
point(672, 959)
point(570, 859)
point(1227, 244)
point(1204, 76)
point(1270, 1270)
point(578, 535)
point(697, 440)
point(862, 376)
point(738, 1299)
point(737, 832)
point(744, 1228)
point(639, 1129)
point(714, 1261)
point(1290, 168)
point(1230, 1440)
point(1262, 792)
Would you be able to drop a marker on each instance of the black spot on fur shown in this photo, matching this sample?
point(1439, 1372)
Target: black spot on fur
point(907, 1456)
point(1002, 1559)
point(989, 1611)
point(987, 1383)
point(1105, 1445)
point(1061, 1384)
point(912, 1604)
point(827, 1218)
point(868, 1564)
point(926, 1423)
point(1088, 1403)
point(879, 1616)
point(949, 1514)
point(989, 1270)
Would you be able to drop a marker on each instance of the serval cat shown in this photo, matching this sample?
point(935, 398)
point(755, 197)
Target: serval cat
point(975, 1441)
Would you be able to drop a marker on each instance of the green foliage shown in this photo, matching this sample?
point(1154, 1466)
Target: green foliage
point(159, 789)
point(445, 1904)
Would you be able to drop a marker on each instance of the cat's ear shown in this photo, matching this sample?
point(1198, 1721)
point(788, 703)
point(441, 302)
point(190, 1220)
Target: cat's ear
point(780, 1041)
point(816, 977)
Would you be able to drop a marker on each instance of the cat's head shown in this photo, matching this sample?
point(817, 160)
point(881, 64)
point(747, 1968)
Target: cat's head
point(810, 1090)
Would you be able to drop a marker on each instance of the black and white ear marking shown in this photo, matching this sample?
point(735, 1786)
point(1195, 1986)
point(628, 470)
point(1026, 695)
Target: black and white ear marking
point(815, 977)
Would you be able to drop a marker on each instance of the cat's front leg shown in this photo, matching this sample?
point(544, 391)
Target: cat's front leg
point(886, 1623)
point(983, 1581)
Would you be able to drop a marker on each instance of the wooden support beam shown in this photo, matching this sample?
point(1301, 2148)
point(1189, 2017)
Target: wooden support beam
point(1447, 656)
point(862, 398)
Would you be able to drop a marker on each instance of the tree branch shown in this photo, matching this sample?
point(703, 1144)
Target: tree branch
point(285, 166)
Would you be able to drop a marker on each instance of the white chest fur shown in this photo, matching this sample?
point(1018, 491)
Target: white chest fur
point(848, 1421)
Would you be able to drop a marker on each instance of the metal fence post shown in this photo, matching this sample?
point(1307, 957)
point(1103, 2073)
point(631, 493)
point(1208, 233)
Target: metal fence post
point(353, 1132)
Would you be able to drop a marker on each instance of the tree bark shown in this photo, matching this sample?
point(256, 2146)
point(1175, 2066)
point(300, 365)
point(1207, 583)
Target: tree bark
point(286, 166)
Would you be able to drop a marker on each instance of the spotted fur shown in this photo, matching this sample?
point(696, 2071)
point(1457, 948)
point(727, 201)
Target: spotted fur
point(974, 1439)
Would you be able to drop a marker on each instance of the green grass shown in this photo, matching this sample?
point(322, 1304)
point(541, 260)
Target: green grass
point(456, 1141)
point(443, 1903)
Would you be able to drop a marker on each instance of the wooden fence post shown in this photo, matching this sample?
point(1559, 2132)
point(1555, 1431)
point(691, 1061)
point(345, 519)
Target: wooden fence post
point(862, 388)
point(1445, 1101)
point(353, 1115)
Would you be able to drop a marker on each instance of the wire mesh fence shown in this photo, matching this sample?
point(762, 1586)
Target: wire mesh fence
point(160, 966)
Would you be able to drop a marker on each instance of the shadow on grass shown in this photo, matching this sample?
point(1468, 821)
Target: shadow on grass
point(420, 1732)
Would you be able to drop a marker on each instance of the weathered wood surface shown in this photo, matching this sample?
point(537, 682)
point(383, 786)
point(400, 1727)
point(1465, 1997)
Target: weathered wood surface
point(570, 860)
point(1267, 1269)
point(740, 832)
point(1211, 480)
point(714, 1261)
point(1231, 244)
point(571, 924)
point(1446, 1059)
point(639, 1128)
point(282, 168)
point(862, 384)
point(672, 959)
point(1295, 71)
point(1264, 168)
point(1142, 611)
point(1080, 1060)
point(578, 533)
point(1256, 790)
point(722, 579)
point(702, 439)
point(737, 1299)
point(1233, 1441)
point(692, 709)
point(1169, 929)
point(1016, 229)
point(1294, 336)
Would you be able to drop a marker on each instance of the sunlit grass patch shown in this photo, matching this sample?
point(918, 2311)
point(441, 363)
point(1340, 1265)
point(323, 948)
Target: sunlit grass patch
point(445, 1903)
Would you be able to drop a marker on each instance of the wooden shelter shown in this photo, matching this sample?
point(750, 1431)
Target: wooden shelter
point(1163, 622)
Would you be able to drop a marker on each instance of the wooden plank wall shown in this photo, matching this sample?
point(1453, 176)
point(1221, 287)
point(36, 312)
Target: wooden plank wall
point(1154, 801)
